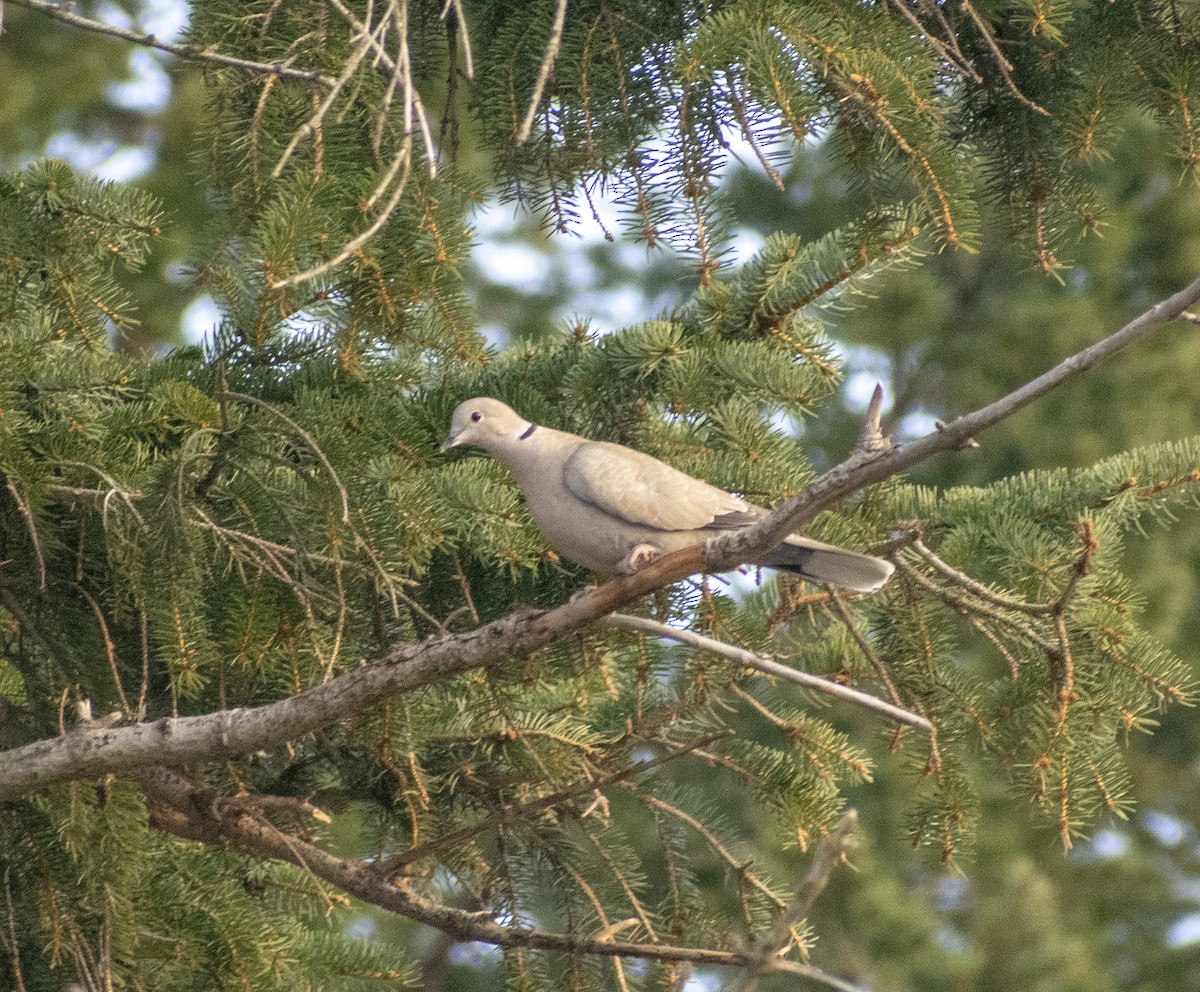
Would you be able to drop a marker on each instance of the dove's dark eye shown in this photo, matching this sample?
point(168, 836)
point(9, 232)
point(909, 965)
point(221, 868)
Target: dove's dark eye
point(476, 416)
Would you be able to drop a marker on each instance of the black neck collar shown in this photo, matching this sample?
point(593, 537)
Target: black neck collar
point(528, 430)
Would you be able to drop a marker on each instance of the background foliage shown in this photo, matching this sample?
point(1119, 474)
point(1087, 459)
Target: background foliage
point(950, 211)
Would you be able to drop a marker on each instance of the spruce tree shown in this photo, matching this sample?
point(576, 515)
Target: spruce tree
point(266, 650)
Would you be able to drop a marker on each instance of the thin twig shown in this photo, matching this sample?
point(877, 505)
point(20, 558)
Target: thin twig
point(30, 525)
point(14, 950)
point(110, 649)
point(739, 112)
point(1005, 66)
point(194, 52)
point(312, 125)
point(765, 955)
point(412, 95)
point(397, 174)
point(382, 55)
point(1081, 568)
point(398, 70)
point(548, 59)
point(837, 607)
point(465, 586)
point(1014, 664)
point(144, 631)
point(76, 494)
point(401, 165)
point(977, 588)
point(115, 489)
point(962, 65)
point(610, 929)
point(308, 439)
point(933, 8)
point(1065, 674)
point(766, 665)
point(968, 606)
point(742, 868)
point(396, 863)
point(268, 557)
point(640, 911)
point(463, 33)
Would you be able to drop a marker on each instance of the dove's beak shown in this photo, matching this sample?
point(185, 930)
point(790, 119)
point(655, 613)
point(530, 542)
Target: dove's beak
point(450, 442)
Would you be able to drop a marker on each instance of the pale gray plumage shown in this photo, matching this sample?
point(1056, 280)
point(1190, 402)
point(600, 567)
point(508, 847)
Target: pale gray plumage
point(611, 508)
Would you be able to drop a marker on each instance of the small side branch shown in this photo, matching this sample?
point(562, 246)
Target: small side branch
point(977, 588)
point(1022, 629)
point(838, 608)
point(767, 666)
point(1081, 568)
point(26, 509)
point(765, 956)
point(464, 34)
point(110, 649)
point(192, 52)
point(308, 439)
point(870, 435)
point(956, 58)
point(396, 864)
point(9, 941)
point(552, 46)
point(395, 178)
point(1005, 67)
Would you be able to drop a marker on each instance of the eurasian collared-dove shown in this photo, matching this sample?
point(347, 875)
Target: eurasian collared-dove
point(612, 509)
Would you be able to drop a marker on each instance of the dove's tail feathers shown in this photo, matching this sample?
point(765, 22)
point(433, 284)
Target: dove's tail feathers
point(825, 563)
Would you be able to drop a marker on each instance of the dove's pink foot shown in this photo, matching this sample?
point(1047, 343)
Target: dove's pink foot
point(639, 555)
point(578, 593)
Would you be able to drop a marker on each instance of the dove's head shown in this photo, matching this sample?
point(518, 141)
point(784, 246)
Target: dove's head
point(487, 423)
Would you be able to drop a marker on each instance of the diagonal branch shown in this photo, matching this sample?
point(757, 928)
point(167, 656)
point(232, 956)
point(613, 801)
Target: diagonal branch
point(768, 666)
point(178, 807)
point(194, 52)
point(864, 468)
point(766, 955)
point(397, 174)
point(86, 753)
point(539, 87)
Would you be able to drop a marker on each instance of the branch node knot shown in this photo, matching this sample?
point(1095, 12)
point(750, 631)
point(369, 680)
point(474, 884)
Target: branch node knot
point(966, 442)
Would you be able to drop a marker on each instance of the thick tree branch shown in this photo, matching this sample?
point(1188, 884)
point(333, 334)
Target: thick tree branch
point(178, 808)
point(866, 467)
point(86, 752)
point(193, 52)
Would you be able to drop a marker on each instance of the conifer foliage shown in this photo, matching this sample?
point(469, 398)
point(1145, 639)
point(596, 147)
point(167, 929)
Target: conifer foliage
point(265, 648)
